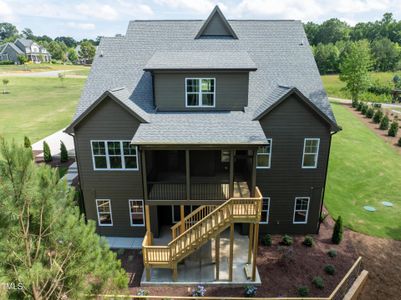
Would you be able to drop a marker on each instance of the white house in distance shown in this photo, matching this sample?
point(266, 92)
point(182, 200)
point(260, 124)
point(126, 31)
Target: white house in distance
point(33, 51)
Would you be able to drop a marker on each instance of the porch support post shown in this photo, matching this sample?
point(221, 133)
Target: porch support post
point(182, 216)
point(231, 259)
point(250, 244)
point(145, 194)
point(255, 250)
point(253, 179)
point(231, 183)
point(188, 175)
point(217, 256)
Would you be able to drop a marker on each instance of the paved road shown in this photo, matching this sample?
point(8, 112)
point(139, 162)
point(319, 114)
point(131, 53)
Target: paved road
point(389, 105)
point(40, 74)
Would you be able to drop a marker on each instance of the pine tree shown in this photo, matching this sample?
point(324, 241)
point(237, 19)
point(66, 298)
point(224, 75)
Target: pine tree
point(45, 244)
point(337, 231)
point(47, 155)
point(63, 153)
point(27, 142)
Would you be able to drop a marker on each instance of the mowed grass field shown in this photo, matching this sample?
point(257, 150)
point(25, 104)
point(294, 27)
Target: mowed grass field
point(363, 170)
point(37, 107)
point(335, 87)
point(30, 67)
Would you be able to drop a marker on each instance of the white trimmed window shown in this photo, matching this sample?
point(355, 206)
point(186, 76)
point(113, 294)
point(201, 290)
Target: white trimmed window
point(264, 155)
point(104, 214)
point(200, 92)
point(265, 210)
point(136, 212)
point(311, 153)
point(114, 155)
point(301, 209)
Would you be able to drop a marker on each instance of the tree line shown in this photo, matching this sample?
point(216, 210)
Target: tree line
point(62, 48)
point(332, 39)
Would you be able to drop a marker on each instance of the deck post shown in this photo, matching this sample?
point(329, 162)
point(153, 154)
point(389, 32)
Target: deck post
point(147, 273)
point(255, 249)
point(145, 196)
point(231, 183)
point(175, 272)
point(253, 179)
point(250, 244)
point(182, 216)
point(217, 256)
point(231, 259)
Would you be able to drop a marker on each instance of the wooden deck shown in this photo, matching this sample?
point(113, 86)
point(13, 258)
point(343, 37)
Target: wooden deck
point(199, 191)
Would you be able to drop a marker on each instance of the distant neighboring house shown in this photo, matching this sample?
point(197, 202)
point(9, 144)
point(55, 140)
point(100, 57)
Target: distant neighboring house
point(33, 51)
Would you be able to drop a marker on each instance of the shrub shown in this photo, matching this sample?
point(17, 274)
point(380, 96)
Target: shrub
point(142, 292)
point(355, 103)
point(22, 59)
point(267, 240)
point(384, 123)
point(27, 142)
point(364, 109)
point(329, 269)
point(318, 282)
point(323, 217)
point(303, 291)
point(6, 62)
point(393, 129)
point(376, 105)
point(337, 231)
point(287, 240)
point(377, 117)
point(359, 107)
point(200, 291)
point(5, 83)
point(287, 255)
point(370, 112)
point(308, 241)
point(399, 142)
point(63, 153)
point(332, 253)
point(250, 291)
point(47, 155)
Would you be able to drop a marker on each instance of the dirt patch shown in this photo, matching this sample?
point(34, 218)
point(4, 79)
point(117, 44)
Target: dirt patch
point(282, 269)
point(375, 127)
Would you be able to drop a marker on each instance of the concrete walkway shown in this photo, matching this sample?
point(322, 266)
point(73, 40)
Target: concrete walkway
point(54, 143)
point(124, 242)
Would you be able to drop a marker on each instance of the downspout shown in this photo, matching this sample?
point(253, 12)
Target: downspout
point(325, 179)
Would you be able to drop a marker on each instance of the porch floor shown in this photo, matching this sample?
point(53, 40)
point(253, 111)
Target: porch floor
point(199, 267)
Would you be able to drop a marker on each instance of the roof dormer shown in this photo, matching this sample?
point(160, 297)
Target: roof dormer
point(216, 25)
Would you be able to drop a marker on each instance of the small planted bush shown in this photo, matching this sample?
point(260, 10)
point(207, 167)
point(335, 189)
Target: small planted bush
point(364, 109)
point(384, 123)
point(267, 240)
point(355, 103)
point(318, 282)
point(359, 107)
point(142, 292)
point(27, 142)
point(287, 240)
point(337, 231)
point(370, 112)
point(250, 291)
point(332, 253)
point(308, 241)
point(377, 117)
point(47, 156)
point(303, 291)
point(63, 152)
point(393, 129)
point(399, 142)
point(199, 291)
point(330, 269)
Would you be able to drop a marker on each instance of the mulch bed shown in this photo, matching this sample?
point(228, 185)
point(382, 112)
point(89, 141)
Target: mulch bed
point(282, 269)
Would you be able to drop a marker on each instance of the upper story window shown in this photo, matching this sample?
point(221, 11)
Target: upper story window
point(263, 156)
point(114, 155)
point(311, 153)
point(200, 92)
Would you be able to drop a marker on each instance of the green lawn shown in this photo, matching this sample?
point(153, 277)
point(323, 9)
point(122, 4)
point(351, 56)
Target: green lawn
point(40, 68)
point(363, 170)
point(335, 88)
point(37, 107)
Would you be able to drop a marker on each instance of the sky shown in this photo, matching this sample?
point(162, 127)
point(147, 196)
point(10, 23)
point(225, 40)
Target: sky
point(91, 18)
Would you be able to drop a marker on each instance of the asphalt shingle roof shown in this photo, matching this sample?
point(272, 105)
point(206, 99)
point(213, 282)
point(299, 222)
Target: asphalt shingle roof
point(279, 49)
point(190, 60)
point(12, 45)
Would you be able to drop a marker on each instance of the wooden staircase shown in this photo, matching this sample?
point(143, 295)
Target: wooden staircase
point(197, 228)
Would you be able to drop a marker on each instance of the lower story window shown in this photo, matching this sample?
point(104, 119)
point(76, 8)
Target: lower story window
point(136, 213)
point(104, 214)
point(301, 209)
point(265, 210)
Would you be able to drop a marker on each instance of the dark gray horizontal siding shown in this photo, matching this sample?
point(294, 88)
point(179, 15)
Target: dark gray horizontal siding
point(231, 90)
point(108, 121)
point(288, 125)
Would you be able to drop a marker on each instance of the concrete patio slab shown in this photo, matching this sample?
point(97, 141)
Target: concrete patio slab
point(124, 242)
point(54, 143)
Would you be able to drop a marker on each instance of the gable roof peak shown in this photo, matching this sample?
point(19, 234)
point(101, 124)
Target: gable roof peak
point(216, 25)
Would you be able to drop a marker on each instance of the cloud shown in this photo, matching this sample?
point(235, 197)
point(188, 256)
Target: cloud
point(98, 11)
point(6, 12)
point(84, 26)
point(199, 6)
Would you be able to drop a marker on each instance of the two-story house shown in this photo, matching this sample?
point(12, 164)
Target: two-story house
point(203, 124)
point(28, 48)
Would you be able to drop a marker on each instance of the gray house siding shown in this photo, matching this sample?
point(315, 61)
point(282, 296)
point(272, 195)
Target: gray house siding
point(108, 121)
point(288, 125)
point(12, 54)
point(231, 90)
